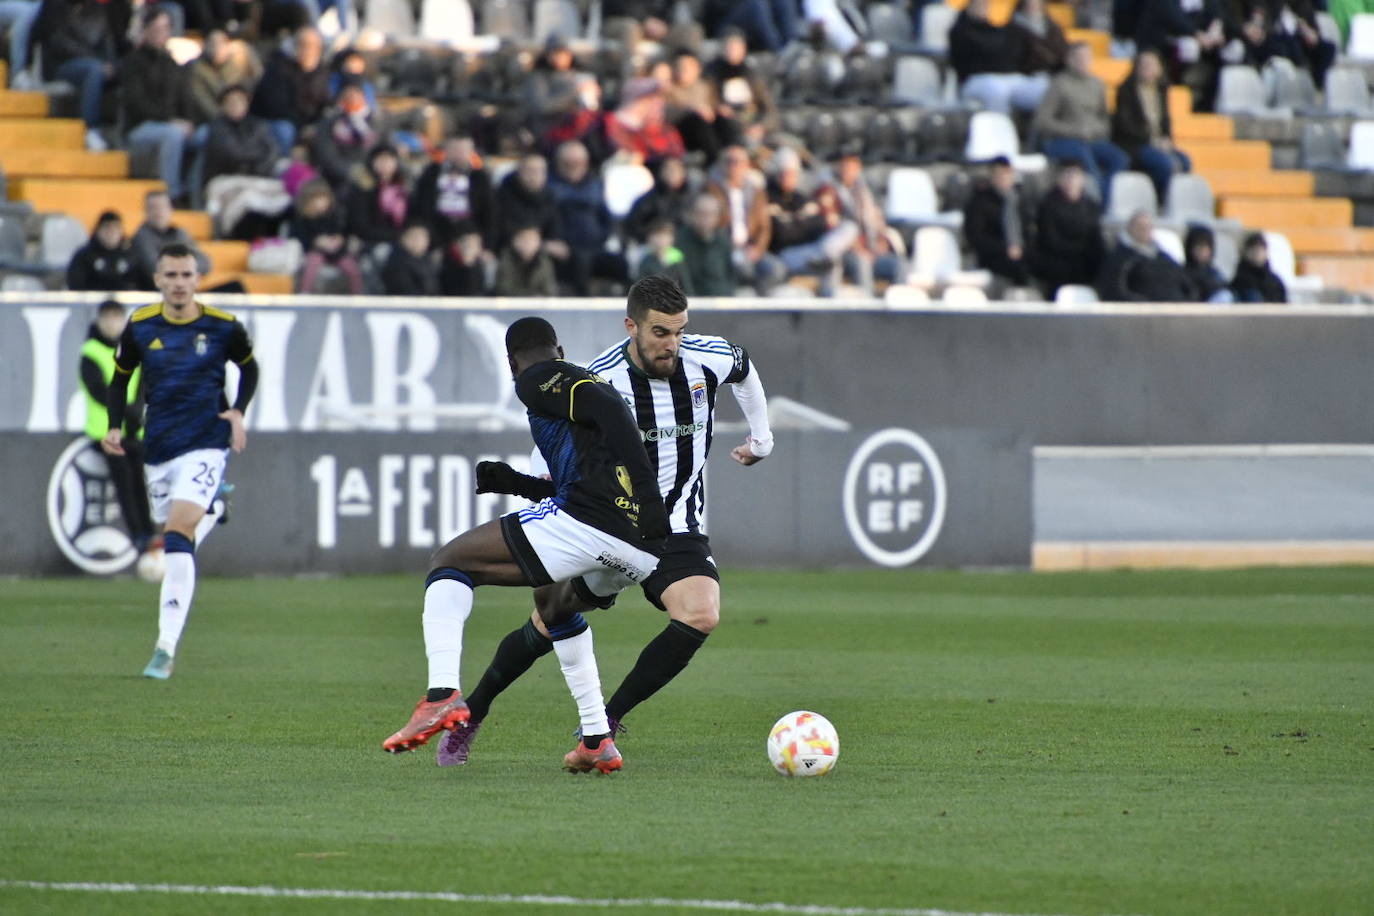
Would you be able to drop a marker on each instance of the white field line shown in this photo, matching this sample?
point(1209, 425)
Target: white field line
point(309, 893)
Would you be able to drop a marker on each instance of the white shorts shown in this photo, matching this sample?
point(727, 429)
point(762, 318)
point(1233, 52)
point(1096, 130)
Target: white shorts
point(552, 546)
point(193, 477)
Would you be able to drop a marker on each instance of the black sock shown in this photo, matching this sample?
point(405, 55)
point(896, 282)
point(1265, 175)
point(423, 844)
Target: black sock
point(659, 663)
point(520, 649)
point(436, 694)
point(591, 741)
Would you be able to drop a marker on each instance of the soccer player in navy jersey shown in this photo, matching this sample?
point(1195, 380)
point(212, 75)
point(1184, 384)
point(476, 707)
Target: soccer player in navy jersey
point(189, 426)
point(598, 526)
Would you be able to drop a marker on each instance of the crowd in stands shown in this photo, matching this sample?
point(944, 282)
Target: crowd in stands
point(285, 137)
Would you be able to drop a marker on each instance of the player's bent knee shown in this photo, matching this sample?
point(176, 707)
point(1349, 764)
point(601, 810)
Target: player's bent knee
point(701, 616)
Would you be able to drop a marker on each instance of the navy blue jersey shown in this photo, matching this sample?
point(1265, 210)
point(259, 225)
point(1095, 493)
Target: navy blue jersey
point(589, 439)
point(183, 376)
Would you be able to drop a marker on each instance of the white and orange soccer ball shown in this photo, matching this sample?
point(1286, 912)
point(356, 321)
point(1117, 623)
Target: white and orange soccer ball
point(803, 744)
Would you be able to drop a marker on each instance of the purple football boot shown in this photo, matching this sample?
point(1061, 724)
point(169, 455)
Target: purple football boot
point(455, 746)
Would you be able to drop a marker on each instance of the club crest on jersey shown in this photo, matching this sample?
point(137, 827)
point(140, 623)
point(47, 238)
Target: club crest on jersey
point(202, 345)
point(699, 395)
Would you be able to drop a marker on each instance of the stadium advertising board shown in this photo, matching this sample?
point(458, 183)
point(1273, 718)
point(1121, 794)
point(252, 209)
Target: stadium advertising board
point(375, 502)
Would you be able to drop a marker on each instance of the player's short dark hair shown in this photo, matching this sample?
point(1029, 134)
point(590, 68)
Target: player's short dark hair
point(531, 333)
point(175, 250)
point(655, 293)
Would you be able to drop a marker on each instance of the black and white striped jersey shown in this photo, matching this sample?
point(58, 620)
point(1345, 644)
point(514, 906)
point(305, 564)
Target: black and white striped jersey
point(676, 415)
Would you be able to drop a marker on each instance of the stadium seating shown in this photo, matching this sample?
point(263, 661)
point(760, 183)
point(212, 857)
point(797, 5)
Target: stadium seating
point(446, 21)
point(1131, 191)
point(936, 21)
point(1191, 199)
point(911, 200)
point(1242, 91)
point(508, 19)
point(1169, 242)
point(917, 81)
point(1075, 294)
point(992, 134)
point(624, 183)
point(1361, 146)
point(1347, 92)
point(393, 18)
point(1361, 44)
point(936, 261)
point(555, 17)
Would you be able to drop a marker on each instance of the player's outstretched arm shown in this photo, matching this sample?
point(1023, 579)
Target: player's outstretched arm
point(499, 477)
point(754, 403)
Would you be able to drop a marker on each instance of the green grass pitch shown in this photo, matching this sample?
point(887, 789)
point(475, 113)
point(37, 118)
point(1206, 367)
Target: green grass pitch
point(1172, 743)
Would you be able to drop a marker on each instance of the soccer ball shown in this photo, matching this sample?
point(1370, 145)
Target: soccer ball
point(152, 564)
point(803, 744)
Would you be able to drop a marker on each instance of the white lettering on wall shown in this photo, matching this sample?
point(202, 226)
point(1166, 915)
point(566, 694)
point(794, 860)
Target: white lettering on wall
point(45, 335)
point(389, 379)
point(329, 384)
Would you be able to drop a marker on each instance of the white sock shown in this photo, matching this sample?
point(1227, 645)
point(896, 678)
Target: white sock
point(204, 527)
point(174, 602)
point(578, 662)
point(448, 603)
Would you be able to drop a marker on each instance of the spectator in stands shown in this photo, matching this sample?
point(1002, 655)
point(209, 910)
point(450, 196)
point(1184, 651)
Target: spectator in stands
point(1199, 247)
point(525, 268)
point(695, 110)
point(666, 201)
point(1068, 244)
point(769, 25)
point(350, 66)
point(157, 231)
point(809, 235)
point(839, 24)
point(106, 262)
point(238, 143)
point(455, 192)
point(1073, 122)
point(639, 130)
point(1160, 26)
point(740, 89)
point(875, 255)
point(1045, 45)
point(993, 225)
point(222, 63)
point(1138, 271)
point(295, 89)
point(329, 247)
point(81, 41)
point(343, 139)
point(410, 269)
point(156, 95)
point(633, 21)
point(377, 203)
point(1141, 124)
point(585, 221)
point(744, 216)
point(989, 59)
point(551, 88)
point(524, 199)
point(467, 266)
point(17, 19)
point(1289, 30)
point(1255, 281)
point(663, 257)
point(584, 121)
point(708, 267)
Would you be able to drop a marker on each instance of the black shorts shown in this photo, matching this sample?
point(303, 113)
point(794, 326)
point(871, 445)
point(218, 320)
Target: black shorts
point(683, 556)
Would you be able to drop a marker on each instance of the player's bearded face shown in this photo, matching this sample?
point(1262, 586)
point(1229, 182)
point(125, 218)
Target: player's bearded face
point(656, 342)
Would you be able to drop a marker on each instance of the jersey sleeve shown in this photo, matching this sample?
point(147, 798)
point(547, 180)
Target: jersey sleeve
point(129, 354)
point(728, 362)
point(240, 348)
point(739, 365)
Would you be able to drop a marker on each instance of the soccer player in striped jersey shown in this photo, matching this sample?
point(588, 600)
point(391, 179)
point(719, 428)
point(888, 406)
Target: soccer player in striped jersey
point(671, 380)
point(182, 347)
point(599, 525)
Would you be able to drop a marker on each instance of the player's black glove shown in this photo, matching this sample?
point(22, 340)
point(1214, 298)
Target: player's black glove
point(499, 477)
point(653, 520)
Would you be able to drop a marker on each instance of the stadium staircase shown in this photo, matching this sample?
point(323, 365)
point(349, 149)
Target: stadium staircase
point(46, 164)
point(1247, 187)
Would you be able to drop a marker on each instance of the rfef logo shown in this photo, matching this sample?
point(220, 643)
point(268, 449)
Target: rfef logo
point(83, 511)
point(894, 497)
